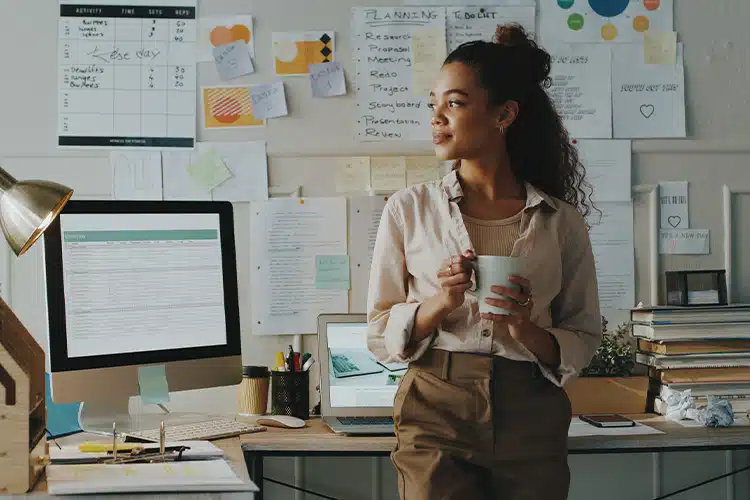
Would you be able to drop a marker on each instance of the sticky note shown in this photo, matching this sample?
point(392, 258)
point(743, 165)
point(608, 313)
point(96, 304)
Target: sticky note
point(233, 60)
point(353, 174)
point(421, 169)
point(660, 48)
point(209, 170)
point(388, 173)
point(428, 52)
point(332, 272)
point(269, 100)
point(152, 384)
point(327, 79)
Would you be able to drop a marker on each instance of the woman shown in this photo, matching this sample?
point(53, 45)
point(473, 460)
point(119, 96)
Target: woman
point(481, 412)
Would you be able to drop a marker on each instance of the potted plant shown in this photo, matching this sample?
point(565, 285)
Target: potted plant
point(607, 384)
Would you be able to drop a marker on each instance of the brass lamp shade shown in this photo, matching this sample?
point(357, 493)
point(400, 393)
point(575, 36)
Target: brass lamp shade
point(27, 208)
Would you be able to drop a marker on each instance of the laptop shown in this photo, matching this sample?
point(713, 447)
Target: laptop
point(356, 389)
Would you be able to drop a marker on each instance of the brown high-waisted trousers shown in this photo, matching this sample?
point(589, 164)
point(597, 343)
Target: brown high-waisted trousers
point(473, 426)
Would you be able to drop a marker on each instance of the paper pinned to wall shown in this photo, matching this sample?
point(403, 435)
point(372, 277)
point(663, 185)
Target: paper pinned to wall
point(448, 3)
point(365, 213)
point(674, 205)
point(353, 174)
point(286, 236)
point(269, 100)
point(327, 79)
point(214, 31)
point(178, 185)
point(660, 47)
point(479, 23)
point(208, 169)
point(387, 108)
point(428, 51)
point(599, 21)
point(136, 175)
point(608, 168)
point(233, 60)
point(648, 100)
point(295, 51)
point(387, 173)
point(248, 164)
point(582, 89)
point(684, 241)
point(421, 169)
point(613, 246)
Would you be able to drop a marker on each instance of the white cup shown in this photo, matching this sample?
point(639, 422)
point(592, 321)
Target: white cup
point(491, 270)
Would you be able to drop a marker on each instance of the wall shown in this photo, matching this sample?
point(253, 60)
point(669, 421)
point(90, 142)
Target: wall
point(717, 153)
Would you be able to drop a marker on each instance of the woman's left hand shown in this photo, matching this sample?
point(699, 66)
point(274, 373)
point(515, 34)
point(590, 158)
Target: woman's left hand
point(519, 304)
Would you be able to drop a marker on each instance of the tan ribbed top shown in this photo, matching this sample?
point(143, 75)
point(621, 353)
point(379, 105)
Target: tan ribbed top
point(493, 237)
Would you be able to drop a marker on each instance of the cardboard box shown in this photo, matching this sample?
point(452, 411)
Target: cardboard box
point(608, 394)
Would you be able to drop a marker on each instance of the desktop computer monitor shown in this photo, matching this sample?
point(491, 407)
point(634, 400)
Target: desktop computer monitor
point(136, 283)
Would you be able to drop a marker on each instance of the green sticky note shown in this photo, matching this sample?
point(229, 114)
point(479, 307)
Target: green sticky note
point(332, 272)
point(209, 170)
point(152, 384)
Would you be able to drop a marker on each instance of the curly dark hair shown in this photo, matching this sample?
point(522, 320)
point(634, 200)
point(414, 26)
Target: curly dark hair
point(513, 67)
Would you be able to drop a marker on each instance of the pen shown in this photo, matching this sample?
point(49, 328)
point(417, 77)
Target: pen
point(114, 441)
point(290, 360)
point(297, 364)
point(308, 364)
point(162, 435)
point(305, 357)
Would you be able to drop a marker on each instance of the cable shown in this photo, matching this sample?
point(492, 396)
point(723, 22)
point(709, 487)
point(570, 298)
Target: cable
point(298, 488)
point(698, 485)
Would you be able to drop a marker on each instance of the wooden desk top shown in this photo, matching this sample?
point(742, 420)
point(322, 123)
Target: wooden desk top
point(317, 438)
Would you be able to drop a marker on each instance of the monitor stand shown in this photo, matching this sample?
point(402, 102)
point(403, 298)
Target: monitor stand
point(99, 416)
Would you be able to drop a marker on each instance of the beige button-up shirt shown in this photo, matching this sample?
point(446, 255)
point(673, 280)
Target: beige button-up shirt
point(422, 226)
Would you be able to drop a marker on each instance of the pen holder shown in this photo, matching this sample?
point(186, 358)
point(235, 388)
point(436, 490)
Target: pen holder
point(290, 394)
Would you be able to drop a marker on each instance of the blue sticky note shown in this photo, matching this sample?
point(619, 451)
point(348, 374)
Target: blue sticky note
point(62, 419)
point(332, 272)
point(152, 382)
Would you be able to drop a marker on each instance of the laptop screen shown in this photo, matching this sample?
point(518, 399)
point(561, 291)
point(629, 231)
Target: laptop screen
point(356, 378)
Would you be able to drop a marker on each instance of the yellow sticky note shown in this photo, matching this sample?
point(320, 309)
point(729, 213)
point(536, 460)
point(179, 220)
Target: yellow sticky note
point(660, 48)
point(388, 173)
point(353, 174)
point(428, 52)
point(421, 169)
point(208, 169)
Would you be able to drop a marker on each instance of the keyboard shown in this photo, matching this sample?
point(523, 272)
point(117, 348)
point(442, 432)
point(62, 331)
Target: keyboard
point(209, 429)
point(342, 364)
point(366, 420)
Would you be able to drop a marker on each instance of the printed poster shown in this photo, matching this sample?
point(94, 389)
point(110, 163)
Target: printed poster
point(215, 31)
point(228, 107)
point(295, 51)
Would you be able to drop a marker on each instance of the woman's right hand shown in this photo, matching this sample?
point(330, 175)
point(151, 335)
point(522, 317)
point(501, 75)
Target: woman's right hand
point(455, 279)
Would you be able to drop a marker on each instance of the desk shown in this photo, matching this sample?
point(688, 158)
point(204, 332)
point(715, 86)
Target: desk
point(230, 446)
point(317, 440)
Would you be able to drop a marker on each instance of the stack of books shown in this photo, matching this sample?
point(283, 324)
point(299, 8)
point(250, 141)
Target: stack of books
point(705, 349)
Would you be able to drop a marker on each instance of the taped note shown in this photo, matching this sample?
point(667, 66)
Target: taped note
point(674, 206)
point(233, 60)
point(327, 79)
point(582, 90)
point(684, 241)
point(332, 272)
point(428, 51)
point(387, 173)
point(353, 174)
point(421, 169)
point(660, 47)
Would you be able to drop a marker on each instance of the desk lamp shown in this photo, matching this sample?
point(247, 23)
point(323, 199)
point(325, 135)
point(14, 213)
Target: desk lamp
point(27, 208)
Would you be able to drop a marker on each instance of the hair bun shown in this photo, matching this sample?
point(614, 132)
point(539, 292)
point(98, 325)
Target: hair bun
point(535, 62)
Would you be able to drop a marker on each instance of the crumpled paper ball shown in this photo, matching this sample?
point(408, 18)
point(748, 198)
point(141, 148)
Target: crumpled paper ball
point(678, 404)
point(717, 413)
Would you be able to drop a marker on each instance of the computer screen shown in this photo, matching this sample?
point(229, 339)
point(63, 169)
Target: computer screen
point(132, 283)
point(356, 377)
point(142, 282)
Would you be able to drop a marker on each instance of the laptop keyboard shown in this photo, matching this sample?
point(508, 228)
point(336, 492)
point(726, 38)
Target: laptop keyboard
point(366, 420)
point(343, 364)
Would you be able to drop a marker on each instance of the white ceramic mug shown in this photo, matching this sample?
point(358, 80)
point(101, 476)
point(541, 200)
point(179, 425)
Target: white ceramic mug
point(491, 270)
